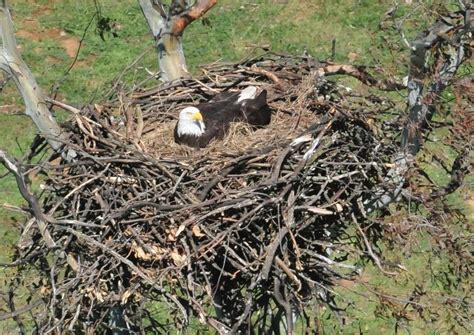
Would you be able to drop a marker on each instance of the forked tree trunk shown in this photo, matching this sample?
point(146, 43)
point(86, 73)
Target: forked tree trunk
point(167, 26)
point(425, 85)
point(12, 63)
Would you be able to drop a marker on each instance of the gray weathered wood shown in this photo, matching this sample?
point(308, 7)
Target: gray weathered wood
point(167, 29)
point(423, 91)
point(12, 63)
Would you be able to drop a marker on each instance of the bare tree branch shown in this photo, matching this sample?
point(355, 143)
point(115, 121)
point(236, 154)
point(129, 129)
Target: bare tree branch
point(12, 63)
point(195, 12)
point(15, 169)
point(360, 73)
point(20, 310)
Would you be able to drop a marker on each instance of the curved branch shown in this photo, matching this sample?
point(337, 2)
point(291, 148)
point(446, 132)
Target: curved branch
point(180, 22)
point(12, 63)
point(33, 203)
point(361, 74)
point(21, 310)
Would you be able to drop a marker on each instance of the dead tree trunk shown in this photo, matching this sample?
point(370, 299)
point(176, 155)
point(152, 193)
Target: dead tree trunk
point(12, 63)
point(167, 27)
point(426, 82)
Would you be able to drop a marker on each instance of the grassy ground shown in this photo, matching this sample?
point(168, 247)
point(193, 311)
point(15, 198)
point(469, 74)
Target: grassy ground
point(51, 32)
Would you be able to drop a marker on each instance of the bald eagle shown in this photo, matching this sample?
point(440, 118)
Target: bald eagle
point(197, 126)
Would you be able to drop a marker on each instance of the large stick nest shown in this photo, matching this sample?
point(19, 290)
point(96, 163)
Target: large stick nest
point(254, 225)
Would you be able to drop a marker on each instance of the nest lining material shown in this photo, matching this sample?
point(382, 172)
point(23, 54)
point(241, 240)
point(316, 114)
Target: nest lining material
point(289, 120)
point(284, 127)
point(246, 219)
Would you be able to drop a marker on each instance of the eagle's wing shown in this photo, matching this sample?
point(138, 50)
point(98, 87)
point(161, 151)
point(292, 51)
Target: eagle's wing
point(220, 111)
point(214, 130)
point(224, 97)
point(256, 111)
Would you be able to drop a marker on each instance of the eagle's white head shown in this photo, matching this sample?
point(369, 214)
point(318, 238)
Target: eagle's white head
point(190, 122)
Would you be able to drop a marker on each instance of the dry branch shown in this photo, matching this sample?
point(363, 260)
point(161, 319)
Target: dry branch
point(360, 73)
point(12, 63)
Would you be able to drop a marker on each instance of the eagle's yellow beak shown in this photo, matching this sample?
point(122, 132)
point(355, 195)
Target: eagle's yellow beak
point(197, 116)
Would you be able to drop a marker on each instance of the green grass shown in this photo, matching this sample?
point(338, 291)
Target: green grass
point(232, 30)
point(428, 273)
point(286, 28)
point(19, 133)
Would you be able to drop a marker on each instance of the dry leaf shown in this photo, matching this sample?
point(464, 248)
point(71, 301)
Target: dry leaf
point(197, 231)
point(99, 295)
point(140, 253)
point(171, 234)
point(125, 296)
point(180, 230)
point(177, 258)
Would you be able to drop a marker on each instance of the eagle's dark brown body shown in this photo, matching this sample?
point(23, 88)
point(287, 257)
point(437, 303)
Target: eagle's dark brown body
point(221, 111)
